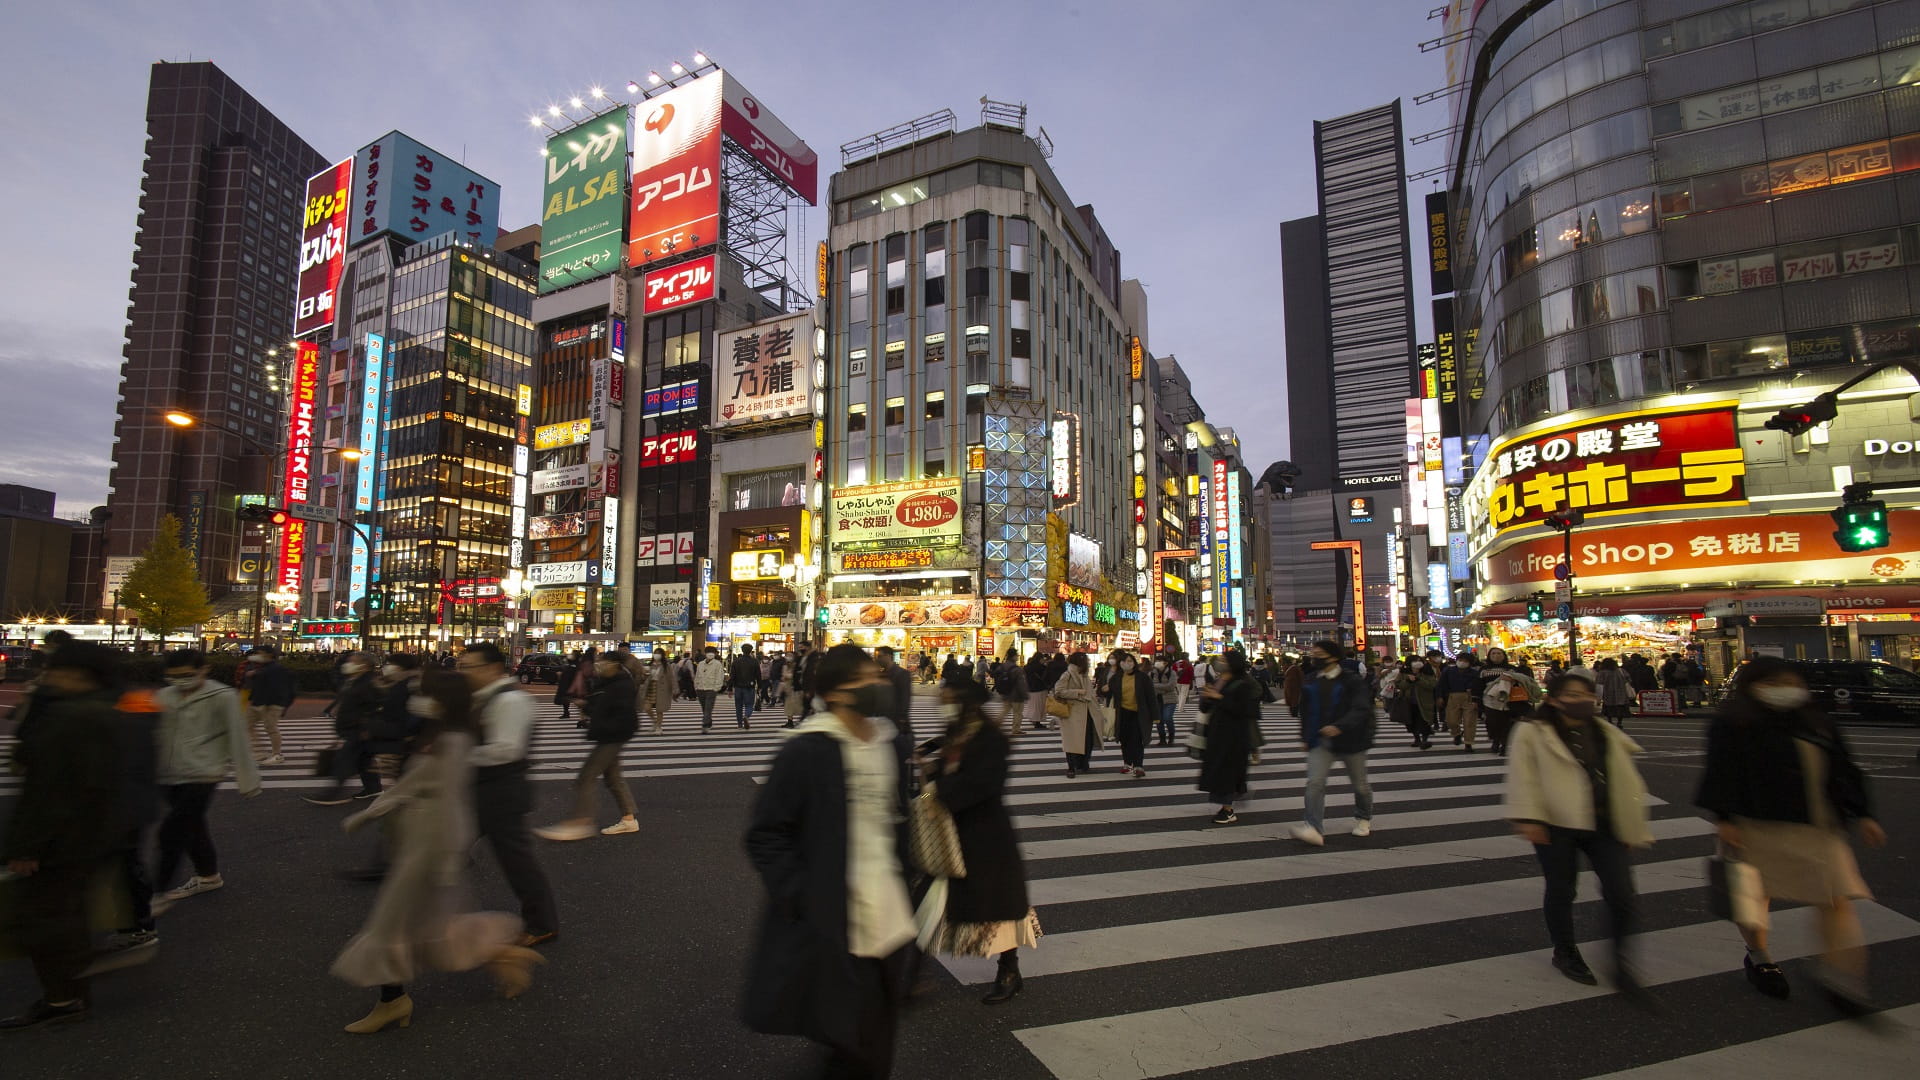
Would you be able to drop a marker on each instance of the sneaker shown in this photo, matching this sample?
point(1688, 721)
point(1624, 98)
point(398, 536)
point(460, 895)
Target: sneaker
point(273, 759)
point(1139, 773)
point(42, 1014)
point(336, 799)
point(194, 886)
point(530, 939)
point(564, 832)
point(374, 794)
point(1307, 834)
point(121, 941)
point(1253, 758)
point(1225, 817)
point(124, 949)
point(619, 827)
point(1363, 828)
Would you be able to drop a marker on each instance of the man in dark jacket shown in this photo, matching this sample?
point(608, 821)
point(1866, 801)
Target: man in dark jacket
point(1460, 696)
point(69, 820)
point(270, 691)
point(612, 720)
point(1336, 723)
point(744, 677)
point(901, 712)
point(358, 709)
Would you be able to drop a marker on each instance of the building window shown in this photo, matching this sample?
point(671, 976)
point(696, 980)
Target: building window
point(766, 489)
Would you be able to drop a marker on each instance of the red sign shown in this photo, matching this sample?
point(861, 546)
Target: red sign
point(677, 286)
point(676, 173)
point(927, 510)
point(299, 475)
point(1629, 463)
point(323, 246)
point(757, 131)
point(472, 590)
point(669, 449)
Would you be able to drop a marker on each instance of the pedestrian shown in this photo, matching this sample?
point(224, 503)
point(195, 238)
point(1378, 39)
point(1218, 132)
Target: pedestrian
point(391, 736)
point(420, 919)
point(1461, 690)
point(986, 912)
point(772, 673)
point(1230, 709)
point(660, 691)
point(1183, 675)
point(612, 720)
point(502, 795)
point(900, 711)
point(1010, 682)
point(1572, 789)
point(1418, 685)
point(708, 679)
point(1035, 676)
point(1129, 692)
point(1616, 696)
point(1336, 724)
point(1693, 681)
point(358, 704)
point(684, 677)
point(1505, 690)
point(66, 825)
point(136, 734)
point(799, 688)
point(1166, 688)
point(202, 734)
point(1786, 792)
point(830, 957)
point(1078, 737)
point(745, 680)
point(270, 692)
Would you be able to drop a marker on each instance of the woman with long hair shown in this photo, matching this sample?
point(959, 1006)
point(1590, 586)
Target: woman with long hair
point(420, 918)
point(1232, 708)
point(1786, 792)
point(985, 913)
point(1077, 735)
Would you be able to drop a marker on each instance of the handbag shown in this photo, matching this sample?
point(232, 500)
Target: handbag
point(1733, 890)
point(1102, 718)
point(323, 759)
point(1196, 741)
point(935, 840)
point(1059, 708)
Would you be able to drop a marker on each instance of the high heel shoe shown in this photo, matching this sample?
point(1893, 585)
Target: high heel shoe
point(512, 970)
point(384, 1014)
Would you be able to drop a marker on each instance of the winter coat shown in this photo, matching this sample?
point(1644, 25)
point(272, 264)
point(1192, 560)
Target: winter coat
point(1547, 785)
point(1293, 686)
point(1614, 691)
point(972, 789)
point(1490, 672)
point(611, 717)
point(1011, 682)
point(745, 673)
point(1343, 702)
point(801, 980)
point(270, 684)
point(1229, 728)
point(395, 726)
point(1076, 690)
point(1417, 690)
point(663, 686)
point(70, 805)
point(1641, 677)
point(1146, 702)
point(1754, 770)
point(709, 675)
point(357, 707)
point(563, 683)
point(200, 734)
point(1455, 679)
point(901, 712)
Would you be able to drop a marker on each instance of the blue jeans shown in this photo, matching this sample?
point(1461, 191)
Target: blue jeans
point(1165, 728)
point(742, 704)
point(1319, 763)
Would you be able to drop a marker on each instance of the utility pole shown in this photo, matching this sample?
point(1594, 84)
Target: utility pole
point(1566, 521)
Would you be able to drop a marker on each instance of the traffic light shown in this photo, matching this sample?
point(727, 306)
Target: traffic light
point(1800, 419)
point(264, 514)
point(1536, 611)
point(1566, 520)
point(820, 617)
point(1861, 525)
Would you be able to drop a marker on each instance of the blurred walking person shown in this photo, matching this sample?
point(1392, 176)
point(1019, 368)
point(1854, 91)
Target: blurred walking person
point(1418, 686)
point(1010, 682)
point(1784, 787)
point(1231, 706)
point(744, 678)
point(1078, 739)
point(830, 957)
point(357, 709)
point(1616, 695)
point(1506, 689)
point(1129, 691)
point(419, 919)
point(985, 913)
point(65, 825)
point(502, 795)
point(611, 722)
point(1572, 789)
point(202, 735)
point(901, 682)
point(799, 687)
point(270, 693)
point(1336, 724)
point(660, 691)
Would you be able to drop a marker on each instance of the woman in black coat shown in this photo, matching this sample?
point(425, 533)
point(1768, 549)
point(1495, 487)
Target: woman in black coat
point(985, 913)
point(1131, 724)
point(1232, 708)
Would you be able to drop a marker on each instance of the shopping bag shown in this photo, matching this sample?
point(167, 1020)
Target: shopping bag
point(1733, 890)
point(1196, 741)
point(323, 760)
point(1102, 718)
point(935, 839)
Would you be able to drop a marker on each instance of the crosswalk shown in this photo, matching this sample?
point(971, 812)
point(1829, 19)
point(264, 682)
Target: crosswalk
point(1238, 948)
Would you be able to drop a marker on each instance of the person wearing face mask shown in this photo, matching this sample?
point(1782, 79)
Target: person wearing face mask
point(1505, 690)
point(1786, 791)
point(1460, 689)
point(1230, 703)
point(358, 706)
point(611, 722)
point(1078, 739)
point(270, 691)
point(1166, 688)
point(1572, 789)
point(1129, 692)
point(391, 736)
point(830, 958)
point(709, 675)
point(202, 734)
point(985, 913)
point(1417, 684)
point(1336, 724)
point(660, 690)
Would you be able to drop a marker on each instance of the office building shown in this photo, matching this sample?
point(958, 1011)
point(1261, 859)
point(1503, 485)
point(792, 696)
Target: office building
point(215, 255)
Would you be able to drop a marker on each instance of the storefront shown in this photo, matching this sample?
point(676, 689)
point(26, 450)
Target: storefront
point(757, 548)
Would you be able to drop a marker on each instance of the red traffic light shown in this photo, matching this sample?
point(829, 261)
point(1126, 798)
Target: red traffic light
point(1800, 419)
point(280, 517)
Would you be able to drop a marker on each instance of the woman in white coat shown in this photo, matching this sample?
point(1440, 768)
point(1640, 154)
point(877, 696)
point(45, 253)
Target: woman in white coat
point(1573, 789)
point(1078, 735)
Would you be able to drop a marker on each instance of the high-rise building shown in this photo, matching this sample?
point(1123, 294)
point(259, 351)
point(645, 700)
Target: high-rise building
point(215, 256)
point(1671, 221)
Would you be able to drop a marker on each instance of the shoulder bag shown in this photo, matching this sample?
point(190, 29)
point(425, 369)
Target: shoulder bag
point(935, 839)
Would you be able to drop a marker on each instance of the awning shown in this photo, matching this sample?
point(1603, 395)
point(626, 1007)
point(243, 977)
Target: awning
point(1860, 597)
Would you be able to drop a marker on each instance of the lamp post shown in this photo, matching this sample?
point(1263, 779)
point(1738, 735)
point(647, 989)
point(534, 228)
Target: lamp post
point(514, 586)
point(799, 576)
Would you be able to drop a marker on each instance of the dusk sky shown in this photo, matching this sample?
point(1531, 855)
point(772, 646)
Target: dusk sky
point(1188, 126)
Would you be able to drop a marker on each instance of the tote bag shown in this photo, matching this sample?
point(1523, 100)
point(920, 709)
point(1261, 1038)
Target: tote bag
point(935, 840)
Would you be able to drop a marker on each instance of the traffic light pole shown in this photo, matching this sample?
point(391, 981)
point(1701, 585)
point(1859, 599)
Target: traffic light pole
point(1573, 625)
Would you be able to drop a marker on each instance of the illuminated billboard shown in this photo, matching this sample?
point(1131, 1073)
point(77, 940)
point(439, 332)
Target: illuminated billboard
point(581, 224)
point(416, 192)
point(759, 376)
point(323, 246)
point(678, 286)
point(675, 203)
point(753, 126)
point(298, 482)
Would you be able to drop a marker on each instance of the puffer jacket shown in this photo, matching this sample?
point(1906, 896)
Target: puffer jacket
point(201, 732)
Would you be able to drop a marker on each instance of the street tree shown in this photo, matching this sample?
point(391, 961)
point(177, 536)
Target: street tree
point(163, 586)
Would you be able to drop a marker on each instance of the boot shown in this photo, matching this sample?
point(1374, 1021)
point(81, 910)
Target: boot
point(1007, 983)
point(512, 970)
point(400, 1009)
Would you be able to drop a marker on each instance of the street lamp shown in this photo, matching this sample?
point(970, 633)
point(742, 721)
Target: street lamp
point(799, 575)
point(514, 586)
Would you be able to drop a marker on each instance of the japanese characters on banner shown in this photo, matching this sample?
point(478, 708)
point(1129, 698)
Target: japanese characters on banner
point(909, 513)
point(580, 228)
point(1632, 462)
point(678, 286)
point(323, 246)
point(928, 611)
point(668, 605)
point(565, 433)
point(372, 385)
point(577, 572)
point(762, 373)
point(760, 133)
point(1439, 244)
point(670, 448)
point(609, 540)
point(671, 398)
point(564, 478)
point(302, 410)
point(410, 189)
point(676, 173)
point(1749, 549)
point(663, 549)
point(1063, 459)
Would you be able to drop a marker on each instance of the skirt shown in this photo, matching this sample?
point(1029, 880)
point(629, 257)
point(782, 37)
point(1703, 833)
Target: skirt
point(939, 936)
point(1807, 864)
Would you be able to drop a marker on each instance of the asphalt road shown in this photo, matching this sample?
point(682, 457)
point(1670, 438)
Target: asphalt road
point(1172, 947)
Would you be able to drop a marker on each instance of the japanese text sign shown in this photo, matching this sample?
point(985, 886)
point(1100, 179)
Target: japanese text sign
point(581, 226)
point(1439, 244)
point(905, 514)
point(412, 190)
point(763, 372)
point(678, 286)
point(676, 173)
point(323, 246)
point(749, 123)
point(669, 449)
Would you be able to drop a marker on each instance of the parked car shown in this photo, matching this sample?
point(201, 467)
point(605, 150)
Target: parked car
point(541, 667)
point(16, 662)
point(1873, 691)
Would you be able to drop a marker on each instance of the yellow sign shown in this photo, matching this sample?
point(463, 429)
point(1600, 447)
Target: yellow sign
point(820, 273)
point(554, 599)
point(756, 565)
point(566, 433)
point(1136, 358)
point(523, 400)
point(1174, 582)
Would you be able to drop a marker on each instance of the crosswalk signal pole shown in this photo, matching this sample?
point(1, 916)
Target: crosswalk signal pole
point(1565, 521)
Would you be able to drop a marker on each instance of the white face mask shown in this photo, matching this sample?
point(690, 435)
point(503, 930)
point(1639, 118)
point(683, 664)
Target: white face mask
point(1782, 697)
point(949, 711)
point(423, 706)
point(353, 668)
point(183, 682)
point(390, 670)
